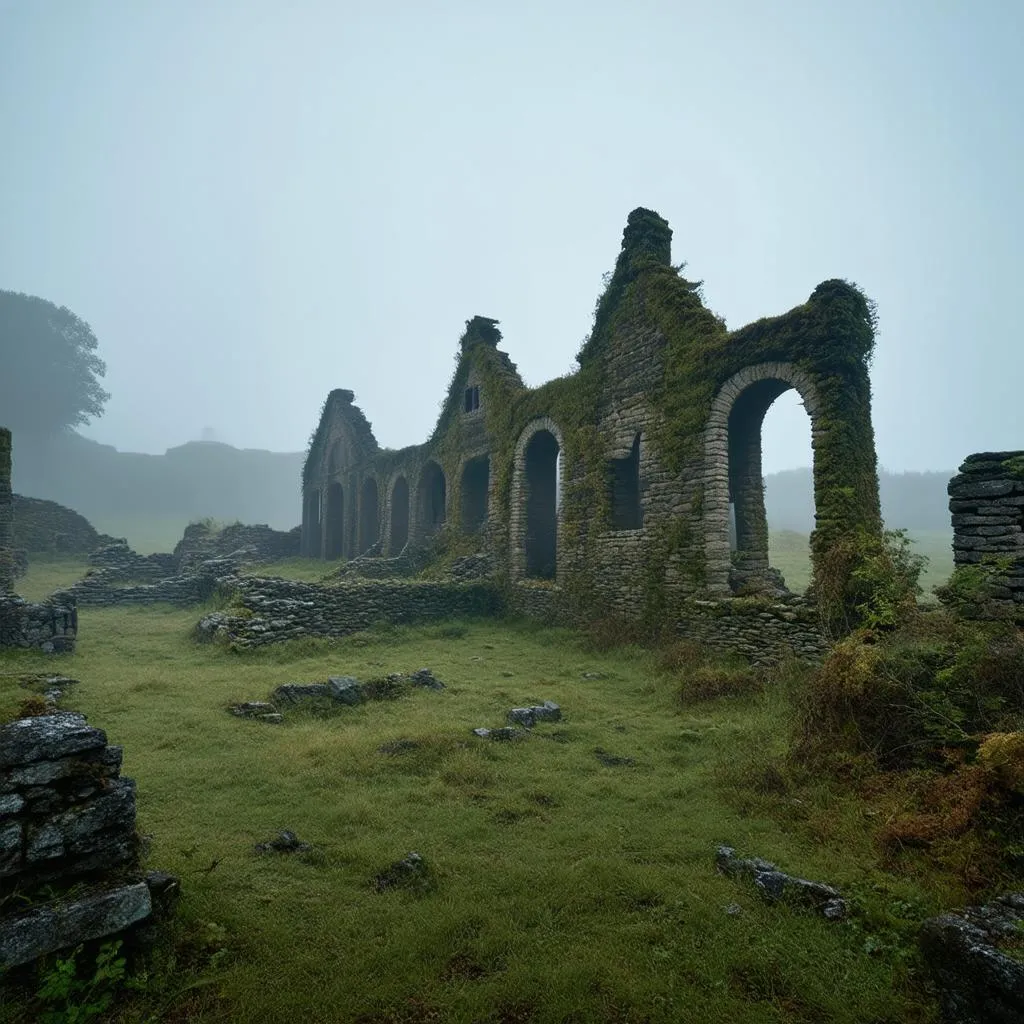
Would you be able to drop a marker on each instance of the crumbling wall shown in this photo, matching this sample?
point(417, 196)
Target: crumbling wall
point(616, 483)
point(986, 503)
point(270, 610)
point(67, 822)
point(52, 625)
point(45, 526)
point(6, 515)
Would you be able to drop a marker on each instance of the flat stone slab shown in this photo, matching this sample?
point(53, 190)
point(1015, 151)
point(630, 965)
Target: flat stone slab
point(47, 738)
point(52, 927)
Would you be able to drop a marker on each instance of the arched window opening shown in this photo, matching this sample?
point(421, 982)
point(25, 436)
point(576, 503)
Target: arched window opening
point(625, 490)
point(368, 514)
point(475, 477)
point(753, 569)
point(399, 515)
point(335, 541)
point(432, 498)
point(541, 465)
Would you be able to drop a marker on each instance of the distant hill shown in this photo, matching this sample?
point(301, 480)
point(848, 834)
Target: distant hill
point(202, 479)
point(913, 501)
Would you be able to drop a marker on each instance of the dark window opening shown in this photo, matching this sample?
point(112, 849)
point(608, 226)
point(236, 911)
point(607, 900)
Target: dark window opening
point(475, 477)
point(471, 399)
point(399, 515)
point(314, 524)
point(542, 505)
point(625, 484)
point(432, 498)
point(368, 513)
point(335, 546)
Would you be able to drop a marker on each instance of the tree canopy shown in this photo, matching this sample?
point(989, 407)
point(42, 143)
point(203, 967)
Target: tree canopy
point(49, 370)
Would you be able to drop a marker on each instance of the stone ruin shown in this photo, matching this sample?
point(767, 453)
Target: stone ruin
point(51, 625)
point(986, 501)
point(69, 852)
point(631, 488)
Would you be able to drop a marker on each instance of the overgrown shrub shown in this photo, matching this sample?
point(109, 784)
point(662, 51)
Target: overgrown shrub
point(902, 698)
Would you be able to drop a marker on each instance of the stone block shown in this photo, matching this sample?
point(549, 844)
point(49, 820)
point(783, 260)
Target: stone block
point(47, 737)
point(53, 927)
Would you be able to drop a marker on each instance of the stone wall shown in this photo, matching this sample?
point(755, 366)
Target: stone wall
point(986, 503)
point(268, 610)
point(202, 541)
point(6, 515)
point(45, 526)
point(66, 818)
point(617, 481)
point(51, 626)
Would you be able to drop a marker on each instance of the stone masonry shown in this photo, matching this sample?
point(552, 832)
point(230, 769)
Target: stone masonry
point(604, 485)
point(67, 823)
point(986, 502)
point(50, 626)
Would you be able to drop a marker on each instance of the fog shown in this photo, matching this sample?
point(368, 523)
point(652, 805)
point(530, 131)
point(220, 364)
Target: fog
point(255, 202)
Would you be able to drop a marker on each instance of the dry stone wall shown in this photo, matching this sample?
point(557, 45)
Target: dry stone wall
point(51, 626)
point(270, 610)
point(45, 526)
point(986, 502)
point(67, 822)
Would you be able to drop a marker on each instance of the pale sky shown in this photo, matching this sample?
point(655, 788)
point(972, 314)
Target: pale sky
point(255, 201)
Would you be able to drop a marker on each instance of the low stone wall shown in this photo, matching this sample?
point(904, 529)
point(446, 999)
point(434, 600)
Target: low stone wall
point(121, 562)
point(45, 526)
point(66, 817)
point(51, 626)
point(104, 588)
point(270, 610)
point(201, 542)
point(763, 631)
point(986, 503)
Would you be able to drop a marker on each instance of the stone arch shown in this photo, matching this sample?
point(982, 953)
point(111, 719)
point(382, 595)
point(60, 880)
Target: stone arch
point(432, 498)
point(369, 515)
point(732, 452)
point(535, 515)
point(473, 490)
point(398, 507)
point(334, 539)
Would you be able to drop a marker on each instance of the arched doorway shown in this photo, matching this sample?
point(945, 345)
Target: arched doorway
point(536, 493)
point(432, 496)
point(334, 546)
point(475, 478)
point(399, 515)
point(368, 515)
point(736, 526)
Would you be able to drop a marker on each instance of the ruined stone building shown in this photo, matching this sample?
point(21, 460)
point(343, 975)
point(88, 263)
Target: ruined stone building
point(613, 488)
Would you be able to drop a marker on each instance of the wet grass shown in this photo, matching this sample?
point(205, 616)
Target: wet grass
point(565, 885)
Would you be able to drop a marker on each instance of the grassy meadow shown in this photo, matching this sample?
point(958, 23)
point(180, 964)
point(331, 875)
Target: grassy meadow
point(562, 887)
point(790, 553)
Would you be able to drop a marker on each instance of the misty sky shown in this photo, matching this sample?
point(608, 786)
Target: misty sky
point(255, 201)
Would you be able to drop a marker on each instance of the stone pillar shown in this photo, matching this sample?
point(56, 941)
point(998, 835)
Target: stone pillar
point(6, 515)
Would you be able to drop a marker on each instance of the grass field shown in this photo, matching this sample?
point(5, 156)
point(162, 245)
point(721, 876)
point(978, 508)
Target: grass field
point(563, 888)
point(790, 553)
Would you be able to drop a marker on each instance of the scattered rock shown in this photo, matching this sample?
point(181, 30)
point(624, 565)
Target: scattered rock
point(549, 711)
point(775, 885)
point(593, 675)
point(424, 677)
point(296, 693)
point(734, 910)
point(345, 690)
point(613, 760)
point(258, 710)
point(411, 872)
point(978, 982)
point(286, 842)
point(504, 734)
